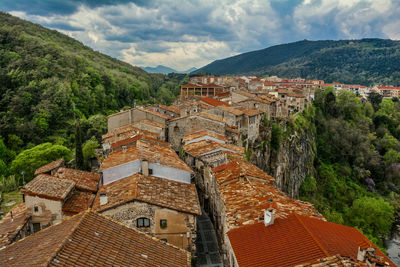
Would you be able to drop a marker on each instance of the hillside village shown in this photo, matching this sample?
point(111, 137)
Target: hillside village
point(162, 168)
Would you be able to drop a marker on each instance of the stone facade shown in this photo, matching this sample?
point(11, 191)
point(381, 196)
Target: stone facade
point(180, 127)
point(44, 212)
point(180, 229)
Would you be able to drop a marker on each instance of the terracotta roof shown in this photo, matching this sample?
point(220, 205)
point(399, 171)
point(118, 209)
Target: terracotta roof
point(157, 191)
point(213, 102)
point(85, 181)
point(10, 227)
point(124, 131)
point(78, 202)
point(49, 167)
point(173, 108)
point(89, 239)
point(234, 169)
point(140, 136)
point(334, 261)
point(203, 133)
point(234, 111)
point(197, 149)
point(50, 187)
point(143, 150)
point(251, 112)
point(295, 240)
point(388, 88)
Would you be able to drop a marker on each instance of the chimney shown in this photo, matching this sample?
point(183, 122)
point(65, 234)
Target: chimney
point(269, 216)
point(103, 198)
point(124, 149)
point(145, 167)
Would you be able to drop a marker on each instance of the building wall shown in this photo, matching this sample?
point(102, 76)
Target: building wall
point(154, 129)
point(124, 170)
point(178, 223)
point(253, 127)
point(178, 128)
point(118, 120)
point(49, 211)
point(231, 119)
point(121, 171)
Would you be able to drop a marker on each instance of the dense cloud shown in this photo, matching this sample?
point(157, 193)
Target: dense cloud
point(182, 34)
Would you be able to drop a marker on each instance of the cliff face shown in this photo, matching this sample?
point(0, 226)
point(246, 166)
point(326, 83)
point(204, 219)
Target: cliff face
point(292, 162)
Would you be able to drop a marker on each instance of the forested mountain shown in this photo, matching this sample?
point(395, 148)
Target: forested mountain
point(366, 61)
point(45, 76)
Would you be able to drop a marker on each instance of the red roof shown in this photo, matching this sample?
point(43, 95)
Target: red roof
point(294, 240)
point(388, 88)
point(213, 102)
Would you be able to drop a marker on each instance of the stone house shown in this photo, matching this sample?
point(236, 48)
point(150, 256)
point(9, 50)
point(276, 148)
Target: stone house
point(44, 198)
point(150, 126)
point(240, 95)
point(15, 225)
point(232, 116)
point(147, 158)
point(160, 207)
point(182, 126)
point(204, 135)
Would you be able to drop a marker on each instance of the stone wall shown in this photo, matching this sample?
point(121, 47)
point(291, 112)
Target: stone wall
point(180, 230)
point(48, 211)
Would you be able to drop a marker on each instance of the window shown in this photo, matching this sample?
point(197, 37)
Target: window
point(163, 223)
point(164, 240)
point(150, 171)
point(143, 222)
point(36, 227)
point(36, 209)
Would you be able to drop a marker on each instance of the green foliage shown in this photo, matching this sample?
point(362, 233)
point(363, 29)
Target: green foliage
point(276, 136)
point(391, 156)
point(365, 61)
point(42, 72)
point(79, 160)
point(89, 149)
point(31, 159)
point(308, 186)
point(373, 216)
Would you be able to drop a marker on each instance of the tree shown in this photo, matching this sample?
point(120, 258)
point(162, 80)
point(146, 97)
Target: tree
point(373, 216)
point(78, 148)
point(31, 159)
point(89, 149)
point(375, 99)
point(276, 136)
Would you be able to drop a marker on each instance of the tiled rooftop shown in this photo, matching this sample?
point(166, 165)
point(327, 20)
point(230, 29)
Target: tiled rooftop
point(213, 102)
point(250, 112)
point(235, 169)
point(202, 133)
point(79, 201)
point(89, 239)
point(197, 149)
point(234, 111)
point(157, 191)
point(9, 227)
point(294, 240)
point(153, 112)
point(50, 187)
point(85, 181)
point(49, 167)
point(143, 150)
point(173, 108)
point(244, 93)
point(150, 123)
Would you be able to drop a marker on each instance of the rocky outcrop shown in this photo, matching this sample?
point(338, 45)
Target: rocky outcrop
point(292, 162)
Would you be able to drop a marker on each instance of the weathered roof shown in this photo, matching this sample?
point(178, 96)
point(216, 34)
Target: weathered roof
point(85, 181)
point(294, 240)
point(90, 239)
point(157, 191)
point(213, 102)
point(173, 108)
point(234, 169)
point(234, 111)
point(49, 167)
point(50, 187)
point(197, 149)
point(244, 93)
point(203, 133)
point(210, 116)
point(10, 227)
point(149, 123)
point(156, 113)
point(251, 112)
point(78, 202)
point(143, 150)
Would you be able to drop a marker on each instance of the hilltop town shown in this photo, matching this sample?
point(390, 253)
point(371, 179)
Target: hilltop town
point(164, 172)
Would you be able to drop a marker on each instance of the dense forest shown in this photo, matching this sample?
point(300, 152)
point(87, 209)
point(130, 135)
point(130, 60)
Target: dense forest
point(46, 80)
point(357, 163)
point(366, 61)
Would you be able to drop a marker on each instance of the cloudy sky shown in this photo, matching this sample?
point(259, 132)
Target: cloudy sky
point(185, 34)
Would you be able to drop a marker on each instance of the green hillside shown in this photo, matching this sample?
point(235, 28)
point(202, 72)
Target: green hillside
point(44, 74)
point(366, 61)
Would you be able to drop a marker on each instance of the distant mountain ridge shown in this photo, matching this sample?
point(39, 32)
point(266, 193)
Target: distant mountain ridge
point(166, 70)
point(365, 61)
